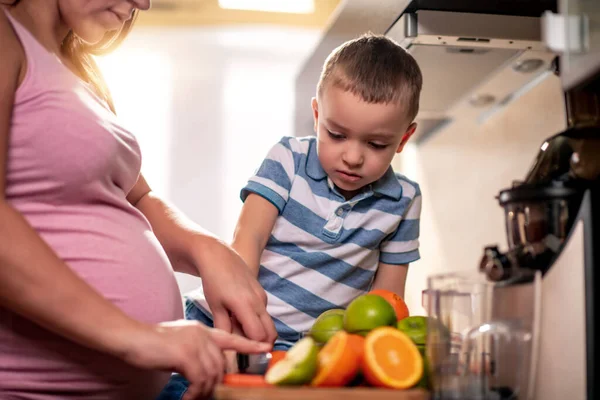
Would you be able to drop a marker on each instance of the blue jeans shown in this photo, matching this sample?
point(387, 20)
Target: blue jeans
point(178, 385)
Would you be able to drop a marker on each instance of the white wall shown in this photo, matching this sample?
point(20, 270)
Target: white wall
point(462, 169)
point(206, 105)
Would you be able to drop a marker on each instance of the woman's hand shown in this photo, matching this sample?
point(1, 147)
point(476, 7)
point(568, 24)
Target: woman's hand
point(192, 349)
point(233, 292)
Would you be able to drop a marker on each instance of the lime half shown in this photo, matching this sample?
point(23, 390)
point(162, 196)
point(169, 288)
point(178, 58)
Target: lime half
point(298, 367)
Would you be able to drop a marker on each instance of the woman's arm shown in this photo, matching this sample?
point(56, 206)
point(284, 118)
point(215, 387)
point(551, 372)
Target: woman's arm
point(229, 287)
point(30, 273)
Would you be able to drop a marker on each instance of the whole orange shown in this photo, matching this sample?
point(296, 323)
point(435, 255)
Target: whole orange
point(395, 301)
point(339, 360)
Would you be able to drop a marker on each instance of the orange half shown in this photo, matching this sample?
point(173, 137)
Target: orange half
point(339, 360)
point(391, 359)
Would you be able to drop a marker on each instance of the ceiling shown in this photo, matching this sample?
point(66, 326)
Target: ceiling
point(208, 12)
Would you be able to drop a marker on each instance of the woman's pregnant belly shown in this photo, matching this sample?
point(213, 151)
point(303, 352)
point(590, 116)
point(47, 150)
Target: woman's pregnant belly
point(113, 250)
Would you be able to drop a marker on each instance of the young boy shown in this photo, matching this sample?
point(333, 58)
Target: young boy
point(325, 218)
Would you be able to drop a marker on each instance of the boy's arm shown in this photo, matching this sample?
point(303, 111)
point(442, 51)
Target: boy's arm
point(253, 229)
point(391, 277)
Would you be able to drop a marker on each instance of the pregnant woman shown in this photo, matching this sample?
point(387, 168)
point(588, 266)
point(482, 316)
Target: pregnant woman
point(89, 305)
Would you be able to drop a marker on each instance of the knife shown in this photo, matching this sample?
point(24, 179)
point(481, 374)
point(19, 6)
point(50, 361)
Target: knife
point(254, 364)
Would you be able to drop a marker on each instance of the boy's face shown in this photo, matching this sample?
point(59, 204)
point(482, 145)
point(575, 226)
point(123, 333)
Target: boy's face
point(356, 141)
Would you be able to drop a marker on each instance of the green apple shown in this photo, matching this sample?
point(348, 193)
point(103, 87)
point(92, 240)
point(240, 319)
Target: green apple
point(424, 383)
point(415, 328)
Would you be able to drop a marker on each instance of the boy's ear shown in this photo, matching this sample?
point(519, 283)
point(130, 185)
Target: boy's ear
point(315, 108)
point(409, 132)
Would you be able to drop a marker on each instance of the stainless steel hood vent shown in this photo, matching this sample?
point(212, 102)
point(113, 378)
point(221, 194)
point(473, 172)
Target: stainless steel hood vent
point(472, 64)
point(476, 56)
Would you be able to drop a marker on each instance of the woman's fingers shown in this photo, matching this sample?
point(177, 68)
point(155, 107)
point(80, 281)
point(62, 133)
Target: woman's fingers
point(227, 341)
point(194, 392)
point(221, 318)
point(249, 320)
point(269, 326)
point(217, 361)
point(195, 374)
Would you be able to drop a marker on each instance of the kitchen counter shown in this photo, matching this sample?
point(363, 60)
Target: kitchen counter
point(243, 393)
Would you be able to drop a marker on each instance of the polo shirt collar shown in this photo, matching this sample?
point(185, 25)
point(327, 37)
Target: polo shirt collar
point(388, 185)
point(313, 165)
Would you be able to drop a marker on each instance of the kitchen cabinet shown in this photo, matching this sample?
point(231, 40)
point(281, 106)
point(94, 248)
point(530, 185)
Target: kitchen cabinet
point(580, 60)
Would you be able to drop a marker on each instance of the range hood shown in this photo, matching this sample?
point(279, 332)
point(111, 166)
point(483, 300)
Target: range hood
point(473, 63)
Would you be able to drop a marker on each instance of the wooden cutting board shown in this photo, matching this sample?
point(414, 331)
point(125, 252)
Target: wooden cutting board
point(240, 393)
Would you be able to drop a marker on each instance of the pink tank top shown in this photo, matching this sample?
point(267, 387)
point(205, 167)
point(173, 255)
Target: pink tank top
point(70, 166)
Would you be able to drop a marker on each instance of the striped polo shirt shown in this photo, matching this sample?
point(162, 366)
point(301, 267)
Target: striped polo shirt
point(324, 250)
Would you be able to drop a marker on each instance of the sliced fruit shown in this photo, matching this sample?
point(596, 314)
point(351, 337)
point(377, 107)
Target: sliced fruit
point(395, 301)
point(276, 356)
point(298, 367)
point(391, 359)
point(326, 325)
point(245, 380)
point(339, 360)
point(368, 312)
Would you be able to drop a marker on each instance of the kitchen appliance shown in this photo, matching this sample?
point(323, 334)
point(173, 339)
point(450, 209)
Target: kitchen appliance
point(543, 284)
point(553, 230)
point(475, 350)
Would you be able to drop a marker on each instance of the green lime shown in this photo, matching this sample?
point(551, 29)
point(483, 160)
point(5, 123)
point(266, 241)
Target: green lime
point(368, 312)
point(298, 367)
point(326, 325)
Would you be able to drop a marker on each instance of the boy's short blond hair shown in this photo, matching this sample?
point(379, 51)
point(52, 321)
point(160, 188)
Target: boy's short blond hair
point(377, 69)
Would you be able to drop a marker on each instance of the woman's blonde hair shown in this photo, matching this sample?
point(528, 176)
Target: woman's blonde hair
point(80, 55)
